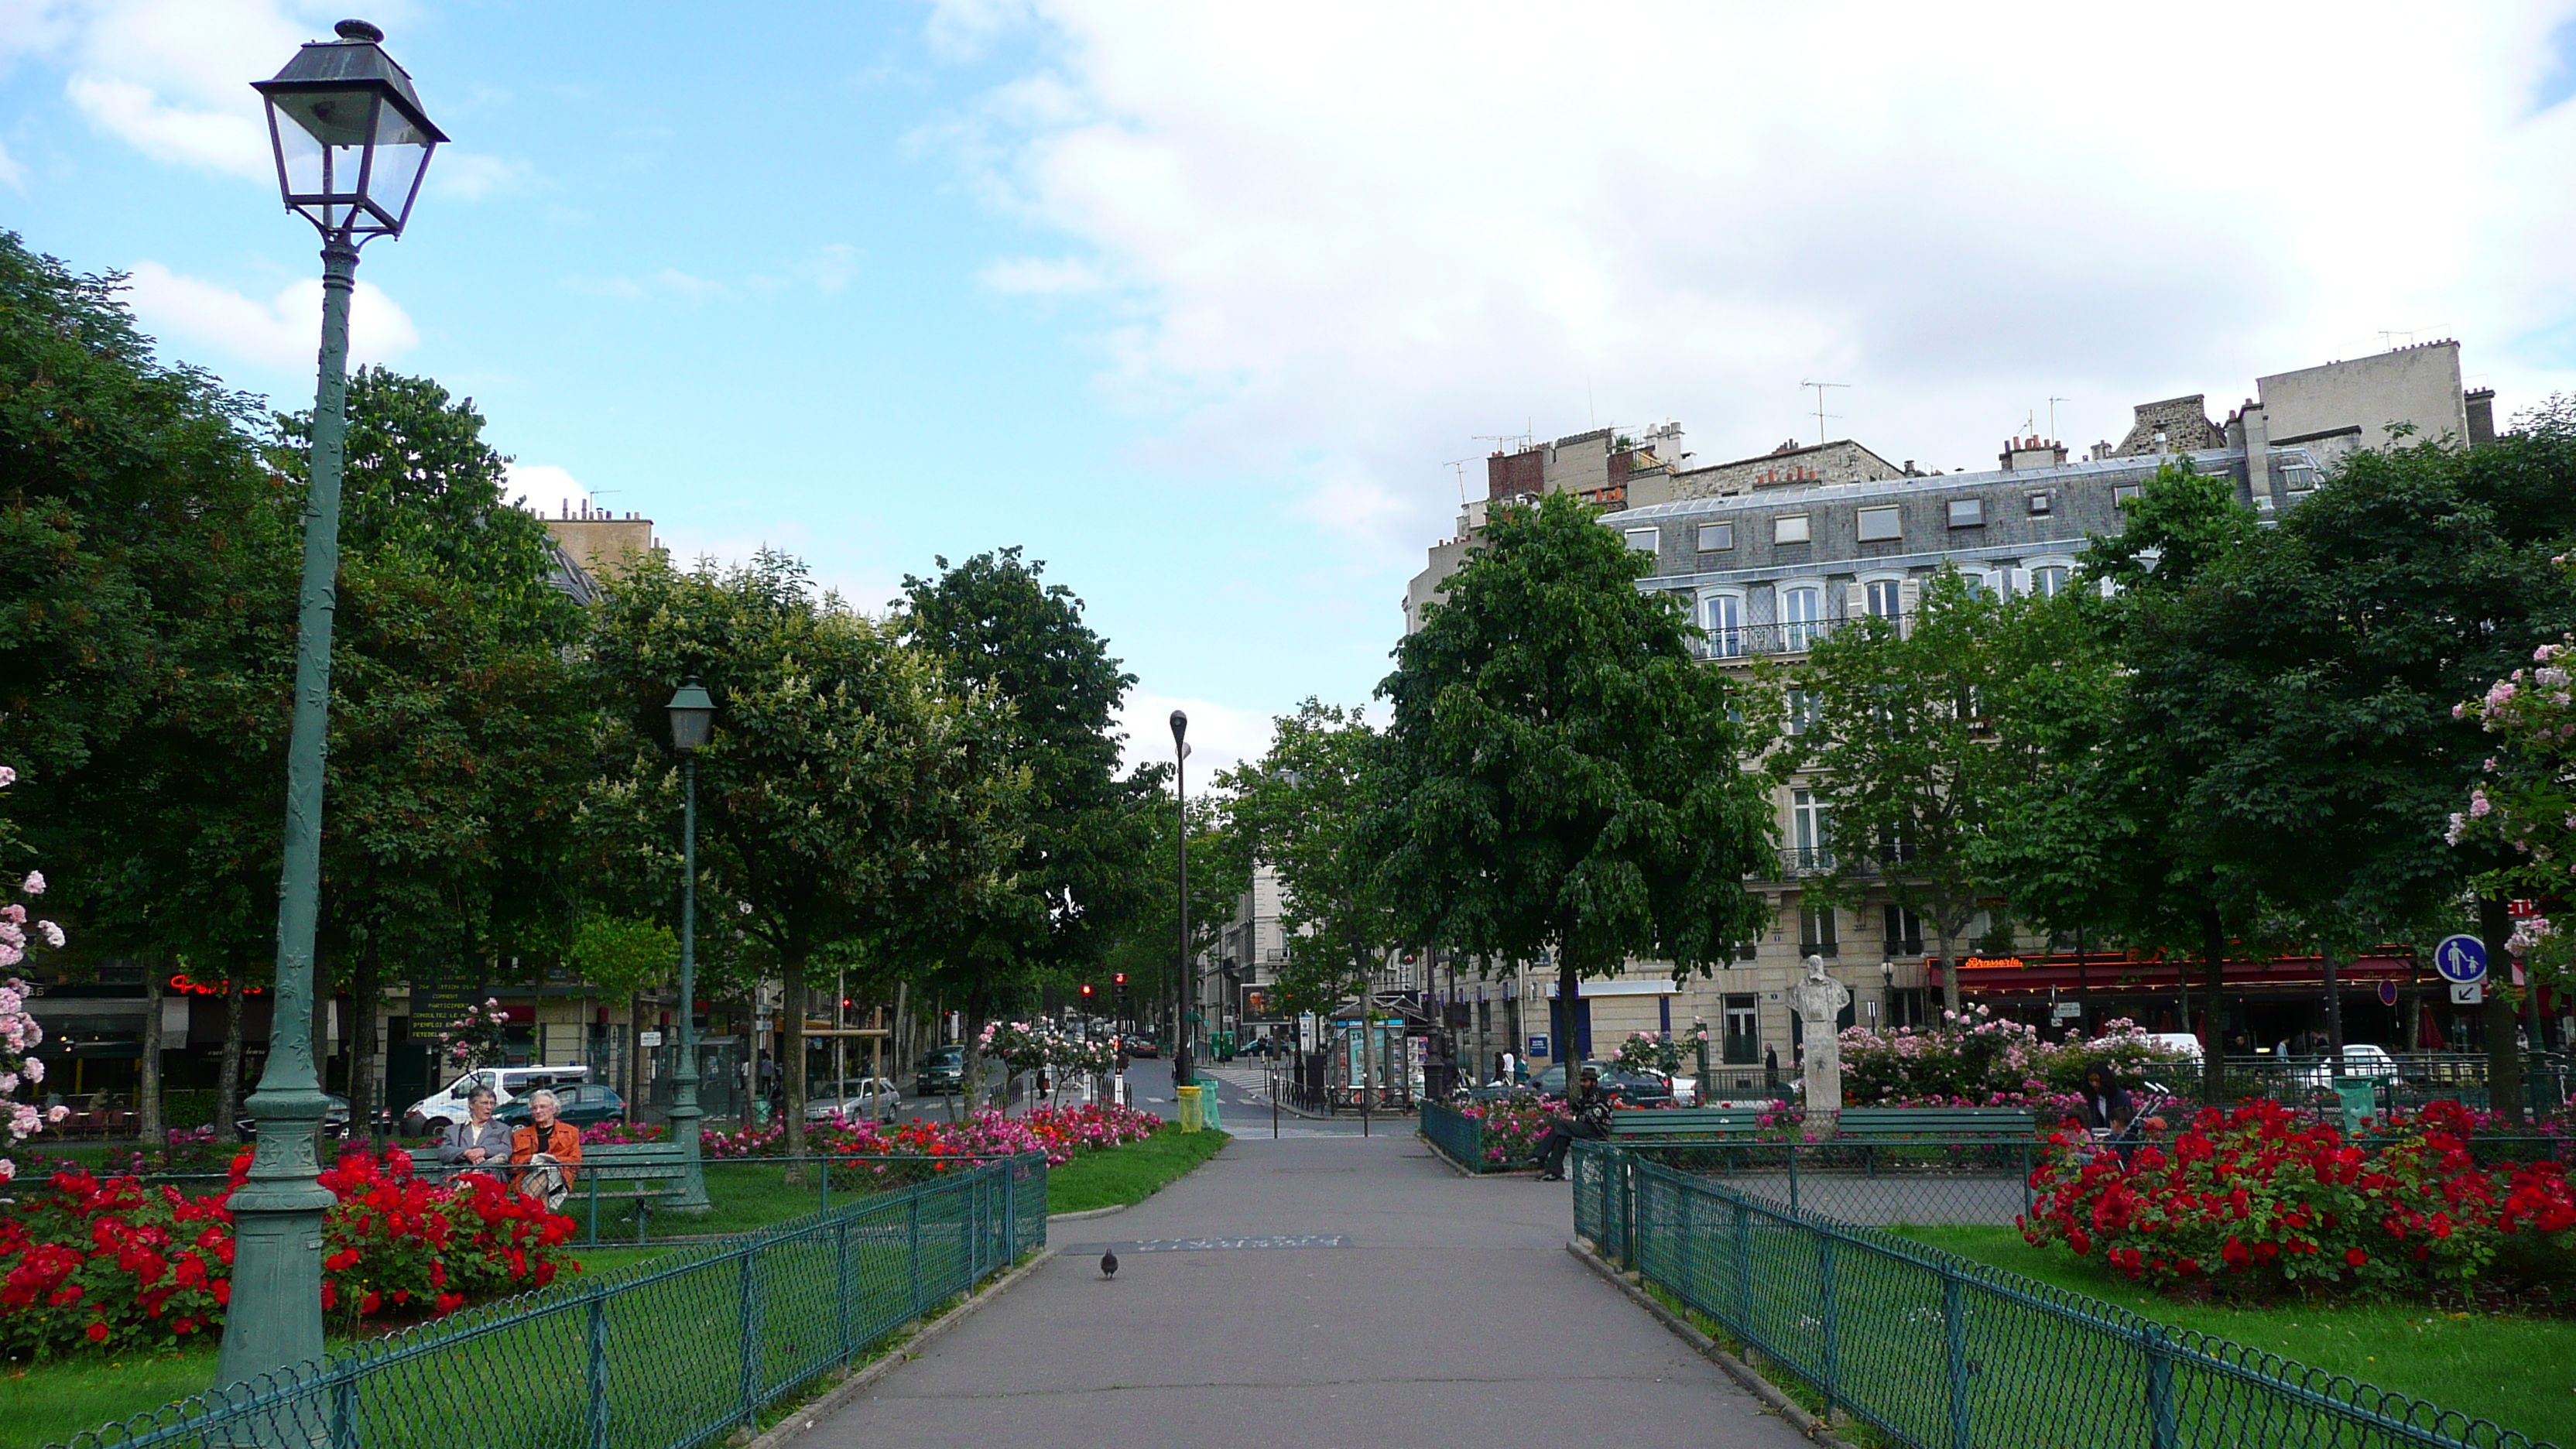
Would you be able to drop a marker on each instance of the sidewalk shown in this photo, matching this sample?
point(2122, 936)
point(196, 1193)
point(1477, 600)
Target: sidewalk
point(1453, 1316)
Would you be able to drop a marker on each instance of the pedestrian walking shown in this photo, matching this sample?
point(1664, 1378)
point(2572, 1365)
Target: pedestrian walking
point(1589, 1117)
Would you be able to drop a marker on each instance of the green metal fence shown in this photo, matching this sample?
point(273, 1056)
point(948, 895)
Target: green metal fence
point(675, 1352)
point(1458, 1136)
point(1939, 1352)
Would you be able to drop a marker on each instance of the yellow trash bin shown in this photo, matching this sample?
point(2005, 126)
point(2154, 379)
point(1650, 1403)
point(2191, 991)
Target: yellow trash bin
point(1189, 1109)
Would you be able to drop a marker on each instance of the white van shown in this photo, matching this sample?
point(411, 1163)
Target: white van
point(508, 1084)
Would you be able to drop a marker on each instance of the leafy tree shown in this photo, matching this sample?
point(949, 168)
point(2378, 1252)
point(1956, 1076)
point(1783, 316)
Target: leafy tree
point(622, 956)
point(1146, 951)
point(1901, 731)
point(849, 793)
point(998, 628)
point(1560, 774)
point(1303, 809)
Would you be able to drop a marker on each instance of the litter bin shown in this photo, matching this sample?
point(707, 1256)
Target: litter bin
point(1208, 1114)
point(2360, 1099)
point(1190, 1109)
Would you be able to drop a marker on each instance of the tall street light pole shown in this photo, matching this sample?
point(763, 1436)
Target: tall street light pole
point(1187, 987)
point(351, 144)
point(693, 715)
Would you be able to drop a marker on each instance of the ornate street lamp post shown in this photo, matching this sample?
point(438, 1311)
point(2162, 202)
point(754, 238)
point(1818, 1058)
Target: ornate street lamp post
point(352, 144)
point(693, 715)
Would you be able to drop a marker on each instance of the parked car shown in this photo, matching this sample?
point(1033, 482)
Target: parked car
point(2360, 1059)
point(583, 1104)
point(335, 1119)
point(869, 1099)
point(508, 1085)
point(1627, 1089)
point(943, 1071)
point(1137, 1044)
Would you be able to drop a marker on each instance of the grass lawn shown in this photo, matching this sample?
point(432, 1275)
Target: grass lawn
point(2519, 1372)
point(49, 1402)
point(1131, 1173)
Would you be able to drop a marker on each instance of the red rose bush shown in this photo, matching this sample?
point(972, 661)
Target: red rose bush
point(111, 1262)
point(2260, 1199)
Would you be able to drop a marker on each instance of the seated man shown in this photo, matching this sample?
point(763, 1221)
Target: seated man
point(478, 1140)
point(549, 1148)
point(1590, 1107)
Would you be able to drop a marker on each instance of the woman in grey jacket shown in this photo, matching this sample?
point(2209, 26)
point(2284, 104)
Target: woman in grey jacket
point(477, 1141)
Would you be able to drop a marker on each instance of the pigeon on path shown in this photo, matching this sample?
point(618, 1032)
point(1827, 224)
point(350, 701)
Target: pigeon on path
point(1109, 1264)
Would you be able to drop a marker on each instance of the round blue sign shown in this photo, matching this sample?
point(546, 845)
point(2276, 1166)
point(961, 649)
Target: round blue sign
point(2461, 958)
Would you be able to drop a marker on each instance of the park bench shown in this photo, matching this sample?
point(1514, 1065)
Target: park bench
point(1943, 1123)
point(1670, 1123)
point(643, 1173)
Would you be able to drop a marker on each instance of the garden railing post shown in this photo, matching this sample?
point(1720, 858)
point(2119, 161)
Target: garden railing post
point(1828, 1316)
point(1954, 1315)
point(826, 1175)
point(914, 1236)
point(841, 1285)
point(598, 1368)
point(2025, 1177)
point(344, 1409)
point(748, 1325)
point(1793, 1174)
point(590, 1238)
point(1010, 1211)
point(1743, 1270)
point(2161, 1429)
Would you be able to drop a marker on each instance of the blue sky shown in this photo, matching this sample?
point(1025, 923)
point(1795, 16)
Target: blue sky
point(1199, 303)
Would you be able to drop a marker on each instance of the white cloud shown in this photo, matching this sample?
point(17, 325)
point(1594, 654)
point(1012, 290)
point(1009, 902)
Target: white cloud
point(1221, 736)
point(284, 332)
point(474, 175)
point(170, 77)
point(1036, 276)
point(543, 487)
point(1342, 241)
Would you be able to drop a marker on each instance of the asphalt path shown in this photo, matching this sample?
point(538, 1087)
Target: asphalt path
point(1329, 1288)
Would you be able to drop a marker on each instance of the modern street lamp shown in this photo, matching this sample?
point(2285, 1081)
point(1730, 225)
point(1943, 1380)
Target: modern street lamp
point(352, 144)
point(1188, 987)
point(693, 716)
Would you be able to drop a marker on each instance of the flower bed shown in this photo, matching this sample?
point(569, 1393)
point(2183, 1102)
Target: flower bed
point(613, 1134)
point(1508, 1129)
point(2260, 1199)
point(1973, 1058)
point(1059, 1132)
point(109, 1263)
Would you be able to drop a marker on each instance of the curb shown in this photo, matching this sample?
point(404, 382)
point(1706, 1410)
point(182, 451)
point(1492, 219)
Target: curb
point(1737, 1369)
point(1116, 1207)
point(1463, 1170)
point(815, 1411)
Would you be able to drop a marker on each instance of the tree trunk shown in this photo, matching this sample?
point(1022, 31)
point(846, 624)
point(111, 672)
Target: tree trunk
point(634, 1074)
point(790, 1037)
point(2213, 955)
point(147, 1103)
point(2504, 1061)
point(363, 993)
point(1949, 966)
point(228, 1075)
point(2334, 1018)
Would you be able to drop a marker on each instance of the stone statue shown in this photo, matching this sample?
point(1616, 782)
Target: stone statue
point(1820, 1000)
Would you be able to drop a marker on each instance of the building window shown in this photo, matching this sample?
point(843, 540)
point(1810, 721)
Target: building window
point(1967, 512)
point(1743, 1030)
point(1644, 540)
point(2039, 505)
point(2299, 480)
point(2124, 493)
point(1798, 713)
point(1904, 933)
point(2048, 580)
point(1803, 612)
point(1816, 931)
point(1791, 528)
point(1725, 616)
point(1877, 525)
point(1716, 536)
point(1881, 597)
point(1811, 828)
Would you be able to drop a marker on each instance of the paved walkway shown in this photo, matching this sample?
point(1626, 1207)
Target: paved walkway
point(1449, 1314)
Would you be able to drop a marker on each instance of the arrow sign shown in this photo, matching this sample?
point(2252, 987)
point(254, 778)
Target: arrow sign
point(2461, 959)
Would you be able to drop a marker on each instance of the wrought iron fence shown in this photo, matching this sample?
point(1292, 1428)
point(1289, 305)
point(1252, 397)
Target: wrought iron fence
point(1940, 1352)
point(1459, 1137)
point(1919, 1183)
point(672, 1353)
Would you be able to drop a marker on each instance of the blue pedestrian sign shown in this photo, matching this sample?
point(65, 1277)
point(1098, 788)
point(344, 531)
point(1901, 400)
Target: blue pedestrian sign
point(2461, 958)
point(1538, 1046)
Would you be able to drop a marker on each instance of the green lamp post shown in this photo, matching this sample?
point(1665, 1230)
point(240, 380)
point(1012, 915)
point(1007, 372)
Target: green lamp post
point(693, 716)
point(351, 144)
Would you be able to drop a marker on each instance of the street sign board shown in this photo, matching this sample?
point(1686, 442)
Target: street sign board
point(648, 1038)
point(2468, 993)
point(1306, 1032)
point(1538, 1046)
point(2461, 958)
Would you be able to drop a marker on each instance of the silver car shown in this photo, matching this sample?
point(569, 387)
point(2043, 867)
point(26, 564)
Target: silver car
point(868, 1099)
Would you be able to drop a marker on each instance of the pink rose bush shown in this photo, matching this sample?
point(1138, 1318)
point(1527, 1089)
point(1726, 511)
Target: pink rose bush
point(1974, 1058)
point(1059, 1132)
point(19, 1032)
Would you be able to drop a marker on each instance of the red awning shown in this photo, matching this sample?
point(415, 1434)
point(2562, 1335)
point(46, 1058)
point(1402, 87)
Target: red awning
point(2116, 975)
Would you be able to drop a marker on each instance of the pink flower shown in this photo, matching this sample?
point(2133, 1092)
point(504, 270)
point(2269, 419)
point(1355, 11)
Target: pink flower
point(53, 934)
point(34, 884)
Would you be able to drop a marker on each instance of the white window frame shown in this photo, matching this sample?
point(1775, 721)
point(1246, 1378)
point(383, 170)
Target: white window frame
point(1796, 633)
point(2126, 493)
point(1889, 588)
point(1811, 826)
point(1887, 516)
point(2032, 566)
point(1725, 635)
point(1950, 510)
point(2041, 505)
point(1725, 527)
point(1792, 528)
point(1653, 539)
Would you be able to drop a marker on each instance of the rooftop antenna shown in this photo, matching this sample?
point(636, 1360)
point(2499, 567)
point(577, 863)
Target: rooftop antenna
point(2052, 416)
point(1821, 414)
point(1459, 467)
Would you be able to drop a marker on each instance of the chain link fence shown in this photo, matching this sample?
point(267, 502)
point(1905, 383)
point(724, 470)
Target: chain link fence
point(1940, 1352)
point(676, 1352)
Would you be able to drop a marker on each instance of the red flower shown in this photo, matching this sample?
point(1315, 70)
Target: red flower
point(2355, 1256)
point(97, 1332)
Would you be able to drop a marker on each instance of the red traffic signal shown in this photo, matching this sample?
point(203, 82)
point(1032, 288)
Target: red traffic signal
point(1119, 980)
point(1086, 991)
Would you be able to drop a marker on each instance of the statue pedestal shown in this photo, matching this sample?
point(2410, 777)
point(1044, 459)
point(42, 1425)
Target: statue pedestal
point(1820, 1000)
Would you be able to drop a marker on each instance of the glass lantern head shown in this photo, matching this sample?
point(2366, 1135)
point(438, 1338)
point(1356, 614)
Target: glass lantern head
point(693, 717)
point(349, 135)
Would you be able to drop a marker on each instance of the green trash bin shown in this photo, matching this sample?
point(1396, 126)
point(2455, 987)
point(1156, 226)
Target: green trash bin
point(2360, 1099)
point(1207, 1105)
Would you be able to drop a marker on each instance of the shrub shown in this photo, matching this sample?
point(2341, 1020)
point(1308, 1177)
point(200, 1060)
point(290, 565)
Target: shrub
point(1508, 1129)
point(109, 1263)
point(1059, 1132)
point(2260, 1199)
point(1974, 1058)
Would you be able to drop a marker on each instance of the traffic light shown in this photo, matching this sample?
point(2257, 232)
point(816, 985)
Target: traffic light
point(1086, 993)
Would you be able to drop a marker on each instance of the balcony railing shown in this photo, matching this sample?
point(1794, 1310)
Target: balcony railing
point(1745, 641)
point(1798, 860)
